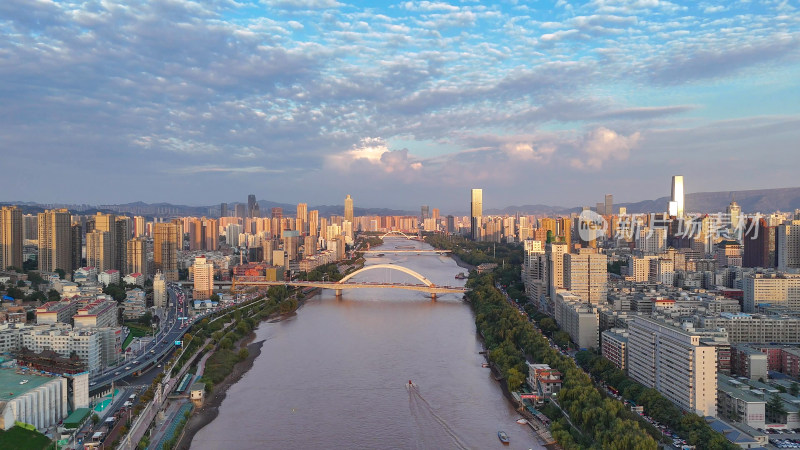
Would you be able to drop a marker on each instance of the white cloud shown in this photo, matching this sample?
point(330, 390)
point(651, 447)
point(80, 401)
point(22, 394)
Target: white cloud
point(601, 145)
point(371, 154)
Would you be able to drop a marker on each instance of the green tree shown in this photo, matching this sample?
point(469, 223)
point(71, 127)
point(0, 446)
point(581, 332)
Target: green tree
point(61, 273)
point(95, 419)
point(243, 354)
point(548, 325)
point(214, 298)
point(15, 292)
point(794, 388)
point(53, 295)
point(775, 409)
point(514, 379)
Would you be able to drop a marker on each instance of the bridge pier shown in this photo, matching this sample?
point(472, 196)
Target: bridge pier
point(433, 296)
point(338, 293)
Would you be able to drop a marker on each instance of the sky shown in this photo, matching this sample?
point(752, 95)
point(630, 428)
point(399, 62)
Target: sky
point(395, 103)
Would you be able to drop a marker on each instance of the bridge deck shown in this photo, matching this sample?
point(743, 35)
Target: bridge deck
point(366, 285)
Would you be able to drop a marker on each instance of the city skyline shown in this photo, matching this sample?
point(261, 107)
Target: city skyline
point(417, 100)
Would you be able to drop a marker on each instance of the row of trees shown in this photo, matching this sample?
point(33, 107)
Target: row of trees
point(511, 339)
point(693, 427)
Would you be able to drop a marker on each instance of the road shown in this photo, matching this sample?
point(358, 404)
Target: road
point(156, 350)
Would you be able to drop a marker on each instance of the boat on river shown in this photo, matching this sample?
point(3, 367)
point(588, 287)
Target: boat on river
point(461, 276)
point(503, 437)
point(522, 421)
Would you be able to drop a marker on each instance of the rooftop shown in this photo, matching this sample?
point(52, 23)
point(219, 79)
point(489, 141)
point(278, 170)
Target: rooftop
point(10, 387)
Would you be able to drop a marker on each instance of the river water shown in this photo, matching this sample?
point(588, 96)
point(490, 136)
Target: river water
point(335, 376)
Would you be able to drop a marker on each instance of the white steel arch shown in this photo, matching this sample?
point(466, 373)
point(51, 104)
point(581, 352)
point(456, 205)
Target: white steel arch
point(396, 232)
point(405, 270)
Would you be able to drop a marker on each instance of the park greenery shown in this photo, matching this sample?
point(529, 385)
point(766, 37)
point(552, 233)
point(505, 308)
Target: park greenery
point(18, 437)
point(512, 339)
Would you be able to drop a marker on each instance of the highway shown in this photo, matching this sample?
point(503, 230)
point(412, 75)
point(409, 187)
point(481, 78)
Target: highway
point(163, 343)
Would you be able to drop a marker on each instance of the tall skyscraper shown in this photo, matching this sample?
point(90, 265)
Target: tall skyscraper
point(107, 223)
point(424, 213)
point(735, 212)
point(788, 243)
point(76, 246)
point(348, 209)
point(139, 226)
point(123, 235)
point(30, 227)
point(165, 250)
point(10, 237)
point(759, 245)
point(223, 210)
point(137, 257)
point(476, 213)
point(302, 218)
point(98, 250)
point(251, 206)
point(240, 210)
point(676, 205)
point(313, 222)
point(609, 205)
point(586, 275)
point(55, 241)
point(276, 213)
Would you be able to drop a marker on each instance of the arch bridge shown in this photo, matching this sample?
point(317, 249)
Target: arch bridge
point(397, 232)
point(425, 285)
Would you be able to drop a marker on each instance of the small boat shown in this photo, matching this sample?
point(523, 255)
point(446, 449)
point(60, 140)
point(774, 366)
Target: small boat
point(522, 421)
point(503, 437)
point(381, 254)
point(23, 381)
point(485, 365)
point(461, 276)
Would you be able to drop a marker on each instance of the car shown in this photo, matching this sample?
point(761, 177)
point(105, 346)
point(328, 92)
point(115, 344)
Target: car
point(117, 372)
point(136, 362)
point(128, 368)
point(92, 383)
point(152, 351)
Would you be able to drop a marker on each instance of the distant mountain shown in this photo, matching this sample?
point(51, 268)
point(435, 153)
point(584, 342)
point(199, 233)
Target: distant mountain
point(759, 200)
point(752, 201)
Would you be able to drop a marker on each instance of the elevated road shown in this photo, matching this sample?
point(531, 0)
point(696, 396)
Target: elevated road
point(386, 252)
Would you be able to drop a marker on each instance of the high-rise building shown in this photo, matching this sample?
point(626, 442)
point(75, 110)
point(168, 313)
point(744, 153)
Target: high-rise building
point(139, 226)
point(555, 267)
point(160, 298)
point(788, 243)
point(251, 206)
point(55, 241)
point(30, 227)
point(98, 250)
point(609, 205)
point(675, 362)
point(137, 257)
point(302, 218)
point(76, 245)
point(240, 210)
point(107, 223)
point(313, 222)
point(759, 245)
point(348, 209)
point(123, 235)
point(10, 237)
point(586, 275)
point(165, 250)
point(734, 211)
point(203, 278)
point(223, 210)
point(276, 213)
point(424, 213)
point(676, 204)
point(476, 213)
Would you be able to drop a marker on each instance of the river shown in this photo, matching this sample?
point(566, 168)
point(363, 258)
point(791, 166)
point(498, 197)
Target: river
point(336, 374)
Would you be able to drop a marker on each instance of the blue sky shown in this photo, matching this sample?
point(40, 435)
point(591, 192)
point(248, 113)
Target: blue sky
point(398, 104)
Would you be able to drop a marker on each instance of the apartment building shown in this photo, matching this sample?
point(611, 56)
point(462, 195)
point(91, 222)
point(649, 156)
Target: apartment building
point(675, 362)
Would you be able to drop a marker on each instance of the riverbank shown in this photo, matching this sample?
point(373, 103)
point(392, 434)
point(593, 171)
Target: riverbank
point(461, 263)
point(208, 412)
